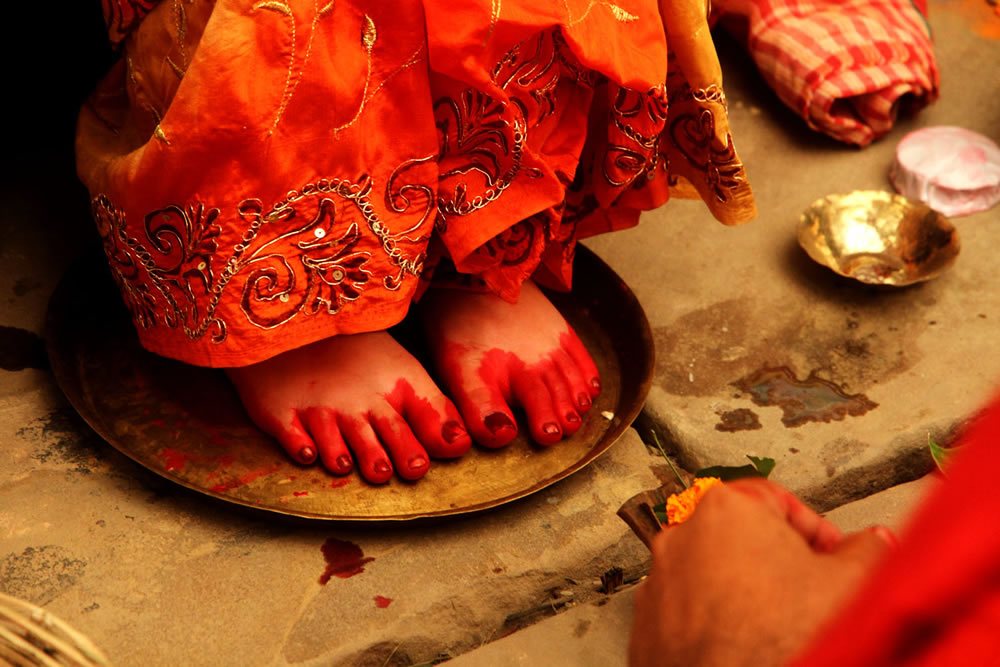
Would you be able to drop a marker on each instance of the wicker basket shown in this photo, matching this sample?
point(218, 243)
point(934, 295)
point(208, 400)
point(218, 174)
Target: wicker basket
point(29, 635)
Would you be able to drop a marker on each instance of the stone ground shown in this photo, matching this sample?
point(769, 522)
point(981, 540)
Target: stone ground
point(157, 575)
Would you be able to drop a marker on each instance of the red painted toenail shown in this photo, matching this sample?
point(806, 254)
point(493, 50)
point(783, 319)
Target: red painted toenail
point(307, 453)
point(498, 421)
point(583, 401)
point(551, 429)
point(344, 462)
point(452, 431)
point(382, 467)
point(418, 463)
point(572, 418)
point(596, 384)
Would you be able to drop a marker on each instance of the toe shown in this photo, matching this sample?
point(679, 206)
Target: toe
point(373, 462)
point(408, 456)
point(579, 389)
point(562, 400)
point(322, 426)
point(573, 346)
point(485, 413)
point(443, 437)
point(532, 394)
point(293, 438)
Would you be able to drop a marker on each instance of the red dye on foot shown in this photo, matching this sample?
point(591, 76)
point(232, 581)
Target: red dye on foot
point(298, 494)
point(343, 559)
point(382, 602)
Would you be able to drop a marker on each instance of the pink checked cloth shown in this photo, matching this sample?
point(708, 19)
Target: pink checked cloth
point(843, 65)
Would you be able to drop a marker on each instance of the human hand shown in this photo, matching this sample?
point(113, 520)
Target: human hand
point(747, 580)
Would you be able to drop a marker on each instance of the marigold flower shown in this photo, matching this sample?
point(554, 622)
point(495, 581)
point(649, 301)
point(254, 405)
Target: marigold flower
point(681, 505)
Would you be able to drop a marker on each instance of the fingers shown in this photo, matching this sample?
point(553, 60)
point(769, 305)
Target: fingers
point(821, 535)
point(865, 547)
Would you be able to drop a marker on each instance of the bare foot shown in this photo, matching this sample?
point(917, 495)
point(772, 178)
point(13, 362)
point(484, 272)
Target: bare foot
point(353, 398)
point(492, 355)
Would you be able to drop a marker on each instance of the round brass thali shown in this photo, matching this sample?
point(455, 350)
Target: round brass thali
point(186, 423)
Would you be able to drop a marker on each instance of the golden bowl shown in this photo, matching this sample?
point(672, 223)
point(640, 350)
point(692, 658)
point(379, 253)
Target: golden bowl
point(879, 238)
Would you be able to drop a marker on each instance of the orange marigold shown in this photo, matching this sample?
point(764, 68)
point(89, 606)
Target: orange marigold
point(681, 505)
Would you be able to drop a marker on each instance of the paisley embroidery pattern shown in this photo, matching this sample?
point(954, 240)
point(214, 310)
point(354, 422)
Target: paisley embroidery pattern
point(300, 257)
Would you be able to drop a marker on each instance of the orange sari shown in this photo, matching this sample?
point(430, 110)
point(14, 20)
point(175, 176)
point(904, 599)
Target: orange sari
point(268, 173)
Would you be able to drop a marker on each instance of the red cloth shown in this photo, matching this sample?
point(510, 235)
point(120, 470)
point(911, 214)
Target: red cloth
point(268, 174)
point(843, 65)
point(936, 601)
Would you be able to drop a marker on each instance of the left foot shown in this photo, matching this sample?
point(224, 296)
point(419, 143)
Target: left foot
point(492, 356)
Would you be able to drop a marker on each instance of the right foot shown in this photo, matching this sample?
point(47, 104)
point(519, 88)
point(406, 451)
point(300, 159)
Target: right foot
point(493, 356)
point(347, 400)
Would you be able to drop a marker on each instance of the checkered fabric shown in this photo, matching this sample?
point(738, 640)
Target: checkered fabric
point(845, 66)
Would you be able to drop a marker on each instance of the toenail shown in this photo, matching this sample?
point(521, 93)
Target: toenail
point(382, 467)
point(583, 401)
point(452, 431)
point(344, 462)
point(418, 463)
point(307, 453)
point(498, 421)
point(572, 418)
point(596, 384)
point(550, 428)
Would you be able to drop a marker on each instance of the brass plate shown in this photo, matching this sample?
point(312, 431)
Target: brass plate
point(187, 424)
point(878, 237)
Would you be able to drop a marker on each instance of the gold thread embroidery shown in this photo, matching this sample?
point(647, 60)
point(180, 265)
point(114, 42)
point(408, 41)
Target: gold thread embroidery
point(180, 22)
point(164, 289)
point(158, 131)
point(620, 14)
point(414, 58)
point(368, 36)
point(284, 10)
point(275, 6)
point(494, 19)
point(177, 70)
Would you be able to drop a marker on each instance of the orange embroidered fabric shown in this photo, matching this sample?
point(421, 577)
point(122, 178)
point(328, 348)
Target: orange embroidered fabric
point(266, 174)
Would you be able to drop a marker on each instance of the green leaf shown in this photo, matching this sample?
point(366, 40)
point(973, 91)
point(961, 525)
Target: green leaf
point(764, 466)
point(667, 459)
point(660, 510)
point(942, 456)
point(758, 467)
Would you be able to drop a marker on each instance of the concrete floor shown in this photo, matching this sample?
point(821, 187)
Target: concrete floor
point(156, 575)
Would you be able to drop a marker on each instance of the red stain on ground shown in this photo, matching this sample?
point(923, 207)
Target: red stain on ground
point(300, 493)
point(344, 481)
point(244, 479)
point(343, 559)
point(157, 422)
point(382, 602)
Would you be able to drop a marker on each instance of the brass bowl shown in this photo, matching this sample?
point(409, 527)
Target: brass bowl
point(878, 238)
